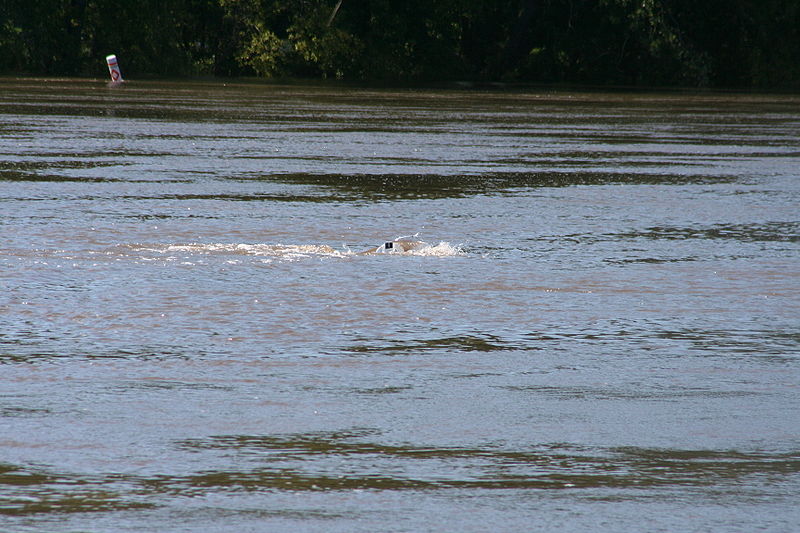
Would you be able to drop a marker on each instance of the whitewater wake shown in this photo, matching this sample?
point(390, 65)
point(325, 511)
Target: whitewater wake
point(290, 252)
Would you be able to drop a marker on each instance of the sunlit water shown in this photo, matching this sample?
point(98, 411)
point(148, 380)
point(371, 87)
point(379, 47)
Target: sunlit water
point(597, 332)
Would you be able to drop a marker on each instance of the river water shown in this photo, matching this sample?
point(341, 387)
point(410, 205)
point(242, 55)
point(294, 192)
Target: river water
point(597, 331)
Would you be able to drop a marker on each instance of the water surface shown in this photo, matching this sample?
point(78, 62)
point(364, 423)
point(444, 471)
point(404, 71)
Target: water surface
point(599, 332)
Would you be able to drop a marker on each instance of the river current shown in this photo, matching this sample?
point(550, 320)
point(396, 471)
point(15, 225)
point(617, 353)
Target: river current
point(597, 328)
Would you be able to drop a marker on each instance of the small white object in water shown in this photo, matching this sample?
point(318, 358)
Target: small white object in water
point(113, 69)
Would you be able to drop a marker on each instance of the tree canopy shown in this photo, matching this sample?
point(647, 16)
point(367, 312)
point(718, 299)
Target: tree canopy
point(740, 43)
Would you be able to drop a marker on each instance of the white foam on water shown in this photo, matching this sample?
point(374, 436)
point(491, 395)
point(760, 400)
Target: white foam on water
point(443, 249)
point(285, 252)
point(267, 250)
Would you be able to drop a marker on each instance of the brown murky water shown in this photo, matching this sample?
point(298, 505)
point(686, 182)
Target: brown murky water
point(598, 330)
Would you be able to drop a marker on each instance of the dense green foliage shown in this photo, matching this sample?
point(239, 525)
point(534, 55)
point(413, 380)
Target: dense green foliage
point(747, 43)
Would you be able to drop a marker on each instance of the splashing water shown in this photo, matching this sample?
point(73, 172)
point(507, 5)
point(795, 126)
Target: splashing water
point(293, 251)
point(443, 249)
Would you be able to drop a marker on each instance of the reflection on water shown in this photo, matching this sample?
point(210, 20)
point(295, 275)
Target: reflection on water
point(551, 468)
point(35, 492)
point(466, 343)
point(596, 321)
point(344, 462)
point(377, 187)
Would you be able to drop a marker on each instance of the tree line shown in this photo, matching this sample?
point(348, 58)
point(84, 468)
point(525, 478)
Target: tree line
point(722, 43)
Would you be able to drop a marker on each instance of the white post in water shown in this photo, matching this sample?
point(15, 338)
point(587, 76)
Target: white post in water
point(113, 69)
